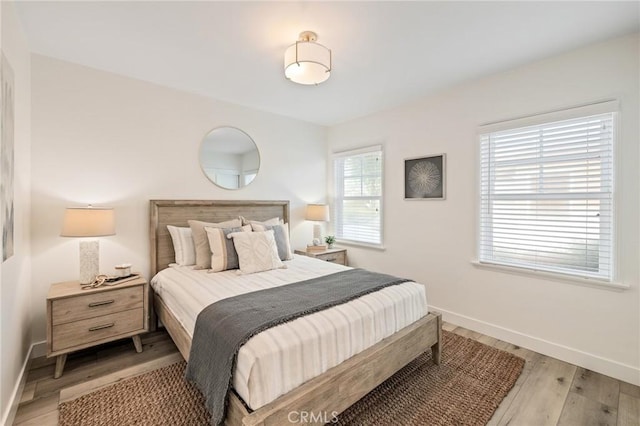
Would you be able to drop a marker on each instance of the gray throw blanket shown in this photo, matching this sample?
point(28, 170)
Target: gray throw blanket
point(224, 326)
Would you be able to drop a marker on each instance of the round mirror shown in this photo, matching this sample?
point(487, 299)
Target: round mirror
point(229, 157)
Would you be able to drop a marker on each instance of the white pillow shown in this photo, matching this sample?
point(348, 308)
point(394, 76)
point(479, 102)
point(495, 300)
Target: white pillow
point(257, 251)
point(183, 245)
point(272, 221)
point(281, 235)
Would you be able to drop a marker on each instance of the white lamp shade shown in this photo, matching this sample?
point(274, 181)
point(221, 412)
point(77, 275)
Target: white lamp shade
point(317, 212)
point(88, 222)
point(307, 62)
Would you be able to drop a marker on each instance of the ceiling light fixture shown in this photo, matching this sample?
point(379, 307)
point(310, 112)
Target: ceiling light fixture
point(307, 62)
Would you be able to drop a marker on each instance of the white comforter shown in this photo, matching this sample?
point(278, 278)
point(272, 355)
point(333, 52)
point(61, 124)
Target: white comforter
point(280, 359)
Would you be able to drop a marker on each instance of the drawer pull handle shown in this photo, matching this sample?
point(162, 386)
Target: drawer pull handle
point(100, 327)
point(104, 302)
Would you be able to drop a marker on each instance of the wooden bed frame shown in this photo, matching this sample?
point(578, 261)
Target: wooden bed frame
point(323, 396)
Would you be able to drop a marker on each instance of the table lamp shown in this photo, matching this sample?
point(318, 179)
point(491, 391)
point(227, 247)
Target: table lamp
point(88, 222)
point(317, 213)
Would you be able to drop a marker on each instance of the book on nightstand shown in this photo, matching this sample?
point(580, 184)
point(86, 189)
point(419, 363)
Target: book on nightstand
point(312, 248)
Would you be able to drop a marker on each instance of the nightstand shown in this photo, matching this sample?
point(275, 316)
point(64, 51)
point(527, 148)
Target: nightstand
point(78, 319)
point(335, 255)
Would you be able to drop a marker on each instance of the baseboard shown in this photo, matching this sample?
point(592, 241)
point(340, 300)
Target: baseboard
point(10, 415)
point(39, 349)
point(608, 367)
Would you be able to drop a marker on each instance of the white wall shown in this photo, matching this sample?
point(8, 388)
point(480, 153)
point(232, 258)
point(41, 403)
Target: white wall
point(434, 242)
point(109, 140)
point(15, 279)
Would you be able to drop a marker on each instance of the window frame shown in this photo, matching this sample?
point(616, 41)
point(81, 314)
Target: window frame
point(335, 195)
point(606, 107)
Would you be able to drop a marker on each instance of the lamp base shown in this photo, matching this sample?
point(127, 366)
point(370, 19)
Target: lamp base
point(317, 239)
point(89, 261)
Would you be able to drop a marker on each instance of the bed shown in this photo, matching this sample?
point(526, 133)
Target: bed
point(332, 390)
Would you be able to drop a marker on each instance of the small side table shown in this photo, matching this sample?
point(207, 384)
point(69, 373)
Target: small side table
point(78, 319)
point(335, 255)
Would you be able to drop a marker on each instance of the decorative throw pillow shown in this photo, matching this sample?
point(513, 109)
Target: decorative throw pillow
point(281, 235)
point(223, 252)
point(203, 252)
point(272, 221)
point(257, 251)
point(183, 245)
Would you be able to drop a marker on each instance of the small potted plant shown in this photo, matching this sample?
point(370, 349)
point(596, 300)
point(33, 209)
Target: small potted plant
point(330, 240)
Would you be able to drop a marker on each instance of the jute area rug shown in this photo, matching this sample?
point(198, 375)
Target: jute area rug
point(464, 390)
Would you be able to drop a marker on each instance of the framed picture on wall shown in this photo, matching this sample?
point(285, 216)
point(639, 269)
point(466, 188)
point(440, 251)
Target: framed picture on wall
point(425, 178)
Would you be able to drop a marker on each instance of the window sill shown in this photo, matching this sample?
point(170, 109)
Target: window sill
point(378, 247)
point(586, 282)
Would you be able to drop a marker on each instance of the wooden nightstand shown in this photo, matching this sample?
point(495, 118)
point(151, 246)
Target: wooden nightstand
point(78, 319)
point(335, 255)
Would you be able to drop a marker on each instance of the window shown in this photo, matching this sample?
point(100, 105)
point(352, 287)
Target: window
point(357, 206)
point(546, 195)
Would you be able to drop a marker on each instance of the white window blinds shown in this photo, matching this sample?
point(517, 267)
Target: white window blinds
point(357, 205)
point(546, 196)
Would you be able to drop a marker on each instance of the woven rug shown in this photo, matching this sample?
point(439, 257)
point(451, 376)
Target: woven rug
point(464, 390)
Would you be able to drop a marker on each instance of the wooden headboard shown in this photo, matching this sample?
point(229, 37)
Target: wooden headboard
point(178, 212)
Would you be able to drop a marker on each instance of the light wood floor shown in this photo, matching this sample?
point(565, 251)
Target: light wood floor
point(549, 391)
